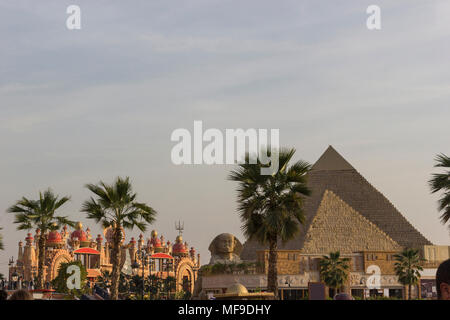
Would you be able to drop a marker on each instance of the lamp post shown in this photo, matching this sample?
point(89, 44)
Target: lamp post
point(10, 264)
point(15, 278)
point(288, 282)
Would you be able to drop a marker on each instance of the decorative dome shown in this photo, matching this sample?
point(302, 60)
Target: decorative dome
point(179, 247)
point(237, 289)
point(54, 238)
point(156, 243)
point(79, 234)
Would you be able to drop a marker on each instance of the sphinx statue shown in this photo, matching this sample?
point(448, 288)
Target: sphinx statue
point(225, 248)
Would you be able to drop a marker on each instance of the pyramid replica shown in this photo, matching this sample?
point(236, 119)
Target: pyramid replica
point(346, 213)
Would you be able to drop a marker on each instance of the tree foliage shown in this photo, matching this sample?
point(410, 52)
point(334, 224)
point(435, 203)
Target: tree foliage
point(40, 214)
point(115, 206)
point(440, 182)
point(407, 267)
point(60, 281)
point(271, 206)
point(334, 270)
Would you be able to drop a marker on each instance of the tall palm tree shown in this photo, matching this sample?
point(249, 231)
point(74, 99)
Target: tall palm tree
point(271, 206)
point(441, 182)
point(334, 270)
point(40, 214)
point(407, 268)
point(115, 207)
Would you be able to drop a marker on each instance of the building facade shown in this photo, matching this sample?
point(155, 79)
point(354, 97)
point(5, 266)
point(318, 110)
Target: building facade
point(154, 256)
point(344, 213)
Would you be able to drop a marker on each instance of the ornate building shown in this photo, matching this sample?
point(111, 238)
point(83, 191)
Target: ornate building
point(156, 256)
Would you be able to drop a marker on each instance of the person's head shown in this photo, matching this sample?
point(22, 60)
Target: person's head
point(443, 280)
point(3, 295)
point(21, 295)
point(343, 296)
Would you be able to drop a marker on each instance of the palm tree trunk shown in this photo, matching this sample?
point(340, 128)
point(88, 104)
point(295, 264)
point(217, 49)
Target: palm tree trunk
point(272, 276)
point(115, 259)
point(41, 261)
point(409, 291)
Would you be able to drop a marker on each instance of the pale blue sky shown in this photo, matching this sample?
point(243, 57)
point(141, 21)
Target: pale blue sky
point(80, 106)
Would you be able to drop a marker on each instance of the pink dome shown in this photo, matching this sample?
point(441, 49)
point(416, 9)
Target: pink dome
point(179, 246)
point(54, 237)
point(156, 243)
point(79, 234)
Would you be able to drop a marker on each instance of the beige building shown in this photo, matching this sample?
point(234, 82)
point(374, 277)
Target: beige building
point(344, 213)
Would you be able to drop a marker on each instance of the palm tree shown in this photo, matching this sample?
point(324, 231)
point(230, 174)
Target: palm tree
point(40, 214)
point(169, 285)
point(104, 279)
point(115, 207)
point(154, 285)
point(407, 268)
point(334, 270)
point(441, 182)
point(271, 206)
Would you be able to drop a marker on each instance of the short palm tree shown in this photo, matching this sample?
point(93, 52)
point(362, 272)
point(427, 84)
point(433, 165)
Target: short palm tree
point(334, 270)
point(271, 206)
point(441, 182)
point(169, 285)
point(407, 267)
point(115, 207)
point(104, 280)
point(40, 214)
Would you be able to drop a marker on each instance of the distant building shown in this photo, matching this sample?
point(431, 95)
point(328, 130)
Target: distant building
point(161, 258)
point(344, 213)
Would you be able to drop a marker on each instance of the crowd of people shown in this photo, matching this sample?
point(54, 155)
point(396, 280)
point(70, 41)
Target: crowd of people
point(442, 286)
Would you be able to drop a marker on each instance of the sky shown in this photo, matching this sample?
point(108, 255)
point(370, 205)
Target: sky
point(80, 106)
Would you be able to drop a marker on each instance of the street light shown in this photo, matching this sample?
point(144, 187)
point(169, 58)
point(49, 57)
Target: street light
point(135, 266)
point(288, 282)
point(14, 278)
